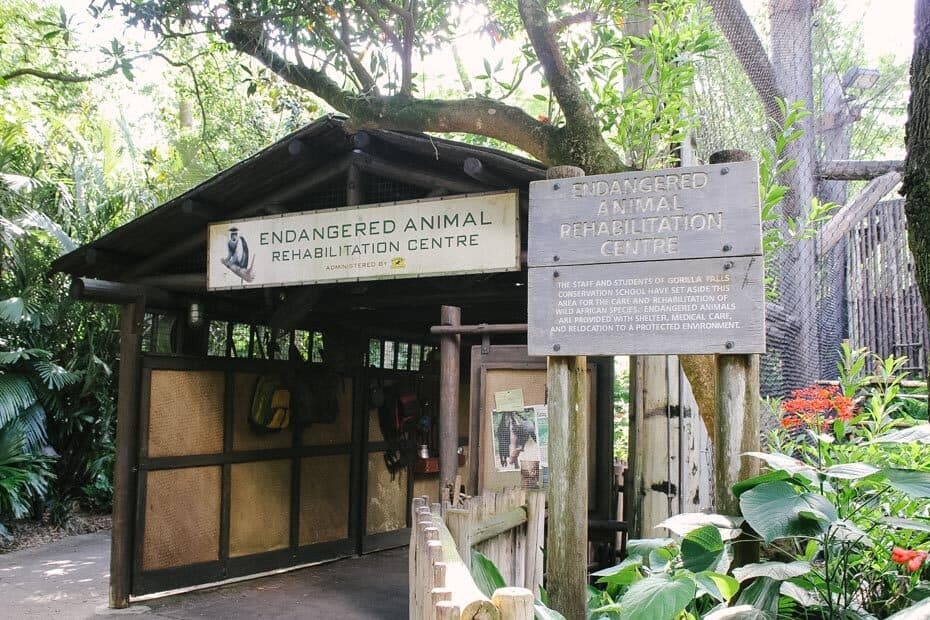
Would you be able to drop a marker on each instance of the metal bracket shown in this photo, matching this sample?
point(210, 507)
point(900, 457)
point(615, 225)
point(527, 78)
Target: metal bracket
point(485, 344)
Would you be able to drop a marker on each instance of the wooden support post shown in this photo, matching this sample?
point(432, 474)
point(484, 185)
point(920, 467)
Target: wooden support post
point(567, 536)
point(124, 471)
point(449, 403)
point(514, 603)
point(736, 426)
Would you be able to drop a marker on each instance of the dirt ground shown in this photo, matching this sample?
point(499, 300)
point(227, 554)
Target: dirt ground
point(28, 533)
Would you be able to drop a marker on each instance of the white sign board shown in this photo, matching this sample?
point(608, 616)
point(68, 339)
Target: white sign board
point(476, 233)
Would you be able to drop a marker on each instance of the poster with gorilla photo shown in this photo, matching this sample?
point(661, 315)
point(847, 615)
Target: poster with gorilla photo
point(520, 442)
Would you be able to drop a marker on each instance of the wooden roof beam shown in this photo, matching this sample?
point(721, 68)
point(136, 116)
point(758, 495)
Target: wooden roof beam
point(479, 172)
point(852, 212)
point(420, 177)
point(857, 170)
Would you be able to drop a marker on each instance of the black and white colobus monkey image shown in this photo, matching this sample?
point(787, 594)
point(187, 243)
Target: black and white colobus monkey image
point(237, 255)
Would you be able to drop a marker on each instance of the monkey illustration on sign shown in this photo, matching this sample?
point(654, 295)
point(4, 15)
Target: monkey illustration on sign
point(237, 256)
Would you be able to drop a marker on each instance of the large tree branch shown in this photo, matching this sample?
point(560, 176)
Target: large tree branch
point(739, 31)
point(382, 24)
point(581, 140)
point(570, 20)
point(480, 116)
point(366, 81)
point(58, 77)
point(248, 37)
point(403, 45)
point(564, 86)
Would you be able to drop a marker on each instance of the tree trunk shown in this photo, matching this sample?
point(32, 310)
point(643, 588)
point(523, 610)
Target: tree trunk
point(917, 165)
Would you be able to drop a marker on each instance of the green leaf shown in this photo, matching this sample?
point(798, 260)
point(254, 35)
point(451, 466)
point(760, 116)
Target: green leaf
point(778, 461)
point(685, 522)
point(773, 570)
point(773, 476)
point(485, 574)
point(805, 597)
point(911, 481)
point(776, 510)
point(847, 531)
point(622, 574)
point(907, 524)
point(658, 597)
point(701, 549)
point(54, 376)
point(645, 546)
point(920, 611)
point(720, 587)
point(541, 612)
point(919, 433)
point(740, 612)
point(851, 471)
point(762, 594)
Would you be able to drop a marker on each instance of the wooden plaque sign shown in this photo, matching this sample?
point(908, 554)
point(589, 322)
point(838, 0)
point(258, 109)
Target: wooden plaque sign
point(709, 305)
point(647, 263)
point(671, 214)
point(475, 233)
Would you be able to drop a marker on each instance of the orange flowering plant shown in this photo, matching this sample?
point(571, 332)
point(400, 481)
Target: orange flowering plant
point(847, 493)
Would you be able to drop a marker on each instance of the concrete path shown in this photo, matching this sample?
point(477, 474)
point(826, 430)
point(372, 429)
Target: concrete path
point(67, 579)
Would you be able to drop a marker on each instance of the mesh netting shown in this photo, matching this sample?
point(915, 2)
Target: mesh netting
point(852, 277)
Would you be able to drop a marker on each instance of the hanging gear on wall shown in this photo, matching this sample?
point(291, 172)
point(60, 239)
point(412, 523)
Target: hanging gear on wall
point(397, 416)
point(271, 405)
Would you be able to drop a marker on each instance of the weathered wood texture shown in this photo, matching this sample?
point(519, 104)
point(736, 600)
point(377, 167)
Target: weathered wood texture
point(679, 213)
point(886, 313)
point(712, 305)
point(449, 356)
point(567, 537)
point(441, 585)
point(853, 212)
point(567, 533)
point(737, 424)
point(670, 450)
point(124, 476)
point(857, 169)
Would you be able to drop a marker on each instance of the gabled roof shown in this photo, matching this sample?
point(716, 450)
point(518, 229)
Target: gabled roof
point(284, 177)
point(308, 170)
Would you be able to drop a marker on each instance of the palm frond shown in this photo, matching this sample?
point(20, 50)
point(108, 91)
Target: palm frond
point(32, 426)
point(34, 219)
point(16, 396)
point(18, 182)
point(17, 310)
point(9, 231)
point(55, 376)
point(18, 355)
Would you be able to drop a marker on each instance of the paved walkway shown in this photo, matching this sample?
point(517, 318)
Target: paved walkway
point(67, 579)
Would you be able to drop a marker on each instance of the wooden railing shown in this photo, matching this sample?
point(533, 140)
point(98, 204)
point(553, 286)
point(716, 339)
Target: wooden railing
point(505, 526)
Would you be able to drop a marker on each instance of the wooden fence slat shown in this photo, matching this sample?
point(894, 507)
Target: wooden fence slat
point(446, 610)
point(498, 524)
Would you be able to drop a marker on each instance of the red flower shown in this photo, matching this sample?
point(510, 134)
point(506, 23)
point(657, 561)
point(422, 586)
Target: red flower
point(543, 118)
point(908, 557)
point(815, 406)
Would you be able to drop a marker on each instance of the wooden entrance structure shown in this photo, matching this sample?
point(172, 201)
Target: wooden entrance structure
point(199, 497)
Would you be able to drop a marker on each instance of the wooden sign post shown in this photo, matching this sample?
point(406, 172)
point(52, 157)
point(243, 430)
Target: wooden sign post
point(736, 421)
point(642, 263)
point(567, 534)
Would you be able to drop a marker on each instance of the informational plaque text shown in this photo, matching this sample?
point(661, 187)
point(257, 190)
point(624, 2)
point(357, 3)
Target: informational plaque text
point(647, 263)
